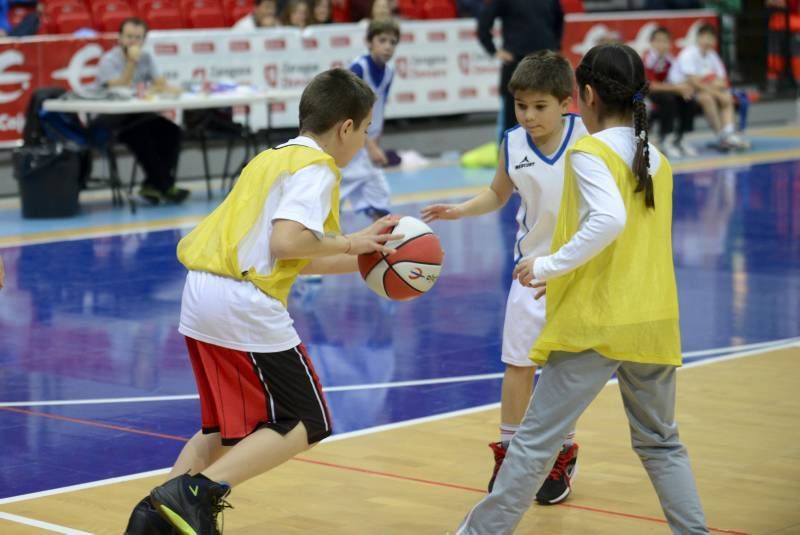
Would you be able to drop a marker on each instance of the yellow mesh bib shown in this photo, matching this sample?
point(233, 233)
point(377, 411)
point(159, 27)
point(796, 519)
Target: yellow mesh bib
point(623, 303)
point(213, 244)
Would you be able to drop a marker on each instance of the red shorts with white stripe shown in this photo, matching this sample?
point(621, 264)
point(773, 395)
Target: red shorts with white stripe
point(241, 392)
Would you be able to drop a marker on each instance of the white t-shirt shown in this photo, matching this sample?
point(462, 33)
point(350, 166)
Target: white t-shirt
point(236, 314)
point(693, 62)
point(245, 24)
point(601, 209)
point(539, 179)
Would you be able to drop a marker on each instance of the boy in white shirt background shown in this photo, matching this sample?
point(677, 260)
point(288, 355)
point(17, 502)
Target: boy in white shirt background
point(700, 66)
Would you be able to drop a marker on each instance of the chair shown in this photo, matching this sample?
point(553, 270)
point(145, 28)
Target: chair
point(203, 14)
point(439, 9)
point(54, 5)
point(68, 21)
point(161, 15)
point(164, 19)
point(409, 9)
point(236, 9)
point(110, 14)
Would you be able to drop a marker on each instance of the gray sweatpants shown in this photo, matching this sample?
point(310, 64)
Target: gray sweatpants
point(568, 384)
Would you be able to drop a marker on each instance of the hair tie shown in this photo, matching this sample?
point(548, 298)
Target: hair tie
point(638, 97)
point(642, 135)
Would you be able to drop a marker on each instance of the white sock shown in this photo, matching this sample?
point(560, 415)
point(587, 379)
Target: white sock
point(507, 433)
point(570, 440)
point(726, 130)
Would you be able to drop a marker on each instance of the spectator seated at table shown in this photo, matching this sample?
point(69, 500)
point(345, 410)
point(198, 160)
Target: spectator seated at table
point(154, 140)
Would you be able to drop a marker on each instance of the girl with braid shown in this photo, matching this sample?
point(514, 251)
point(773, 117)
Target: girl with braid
point(607, 311)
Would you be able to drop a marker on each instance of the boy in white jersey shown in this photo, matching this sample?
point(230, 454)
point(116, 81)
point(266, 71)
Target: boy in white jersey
point(531, 161)
point(363, 180)
point(261, 402)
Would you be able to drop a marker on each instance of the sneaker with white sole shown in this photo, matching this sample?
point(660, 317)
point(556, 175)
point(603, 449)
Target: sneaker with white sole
point(558, 485)
point(670, 149)
point(686, 149)
point(737, 142)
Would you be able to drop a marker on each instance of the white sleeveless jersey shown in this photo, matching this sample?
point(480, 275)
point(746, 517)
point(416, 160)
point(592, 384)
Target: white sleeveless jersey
point(539, 180)
point(381, 93)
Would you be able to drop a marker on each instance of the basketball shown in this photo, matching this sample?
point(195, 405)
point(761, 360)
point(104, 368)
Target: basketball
point(412, 270)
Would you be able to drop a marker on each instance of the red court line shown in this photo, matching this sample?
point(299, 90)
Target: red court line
point(337, 466)
point(92, 423)
point(483, 491)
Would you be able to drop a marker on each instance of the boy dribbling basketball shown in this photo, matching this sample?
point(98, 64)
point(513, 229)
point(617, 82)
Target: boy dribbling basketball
point(531, 161)
point(261, 401)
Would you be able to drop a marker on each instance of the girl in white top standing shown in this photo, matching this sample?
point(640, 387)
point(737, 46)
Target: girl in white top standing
point(612, 304)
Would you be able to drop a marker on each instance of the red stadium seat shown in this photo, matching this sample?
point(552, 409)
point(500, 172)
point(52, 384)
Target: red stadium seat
point(409, 9)
point(109, 14)
point(68, 20)
point(340, 12)
point(143, 6)
point(236, 9)
point(54, 6)
point(47, 24)
point(439, 9)
point(162, 15)
point(572, 6)
point(204, 14)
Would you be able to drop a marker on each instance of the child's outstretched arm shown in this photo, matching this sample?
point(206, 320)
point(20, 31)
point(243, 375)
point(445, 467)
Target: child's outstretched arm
point(486, 201)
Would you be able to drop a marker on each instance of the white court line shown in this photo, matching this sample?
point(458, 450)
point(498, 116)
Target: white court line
point(368, 386)
point(778, 344)
point(41, 525)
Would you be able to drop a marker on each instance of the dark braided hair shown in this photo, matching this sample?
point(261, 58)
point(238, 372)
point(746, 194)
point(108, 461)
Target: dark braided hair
point(616, 74)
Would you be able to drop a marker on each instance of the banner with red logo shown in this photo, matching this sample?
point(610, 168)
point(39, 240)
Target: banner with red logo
point(586, 30)
point(27, 64)
point(440, 68)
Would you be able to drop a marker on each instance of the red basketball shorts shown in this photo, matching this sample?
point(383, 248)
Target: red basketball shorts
point(241, 392)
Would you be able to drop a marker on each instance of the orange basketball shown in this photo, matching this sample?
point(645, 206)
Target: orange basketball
point(412, 270)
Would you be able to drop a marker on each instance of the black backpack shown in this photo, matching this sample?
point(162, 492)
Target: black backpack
point(54, 163)
point(44, 128)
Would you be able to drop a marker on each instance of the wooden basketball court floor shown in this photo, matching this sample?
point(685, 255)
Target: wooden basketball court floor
point(98, 397)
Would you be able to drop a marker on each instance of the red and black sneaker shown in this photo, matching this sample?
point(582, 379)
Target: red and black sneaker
point(558, 485)
point(499, 451)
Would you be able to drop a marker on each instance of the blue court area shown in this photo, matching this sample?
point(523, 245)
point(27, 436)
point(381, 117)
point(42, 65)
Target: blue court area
point(96, 319)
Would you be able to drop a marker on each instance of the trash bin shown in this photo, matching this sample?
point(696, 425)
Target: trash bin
point(49, 179)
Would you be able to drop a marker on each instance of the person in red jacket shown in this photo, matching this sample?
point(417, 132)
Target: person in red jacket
point(670, 101)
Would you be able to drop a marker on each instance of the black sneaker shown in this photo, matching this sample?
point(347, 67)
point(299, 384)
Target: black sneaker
point(150, 194)
point(176, 195)
point(558, 485)
point(191, 503)
point(145, 520)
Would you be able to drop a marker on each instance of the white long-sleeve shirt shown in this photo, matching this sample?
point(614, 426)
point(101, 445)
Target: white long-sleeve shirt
point(601, 209)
